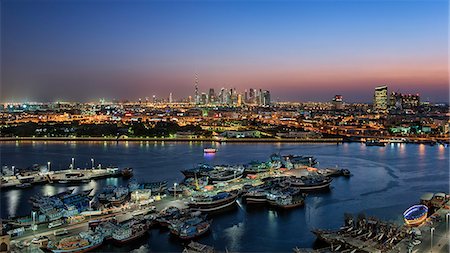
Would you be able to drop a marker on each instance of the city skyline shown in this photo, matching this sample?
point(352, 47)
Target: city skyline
point(300, 51)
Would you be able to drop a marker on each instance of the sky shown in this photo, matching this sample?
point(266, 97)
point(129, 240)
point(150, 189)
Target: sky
point(299, 50)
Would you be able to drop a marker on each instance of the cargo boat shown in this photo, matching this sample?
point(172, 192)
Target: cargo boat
point(199, 171)
point(129, 231)
point(314, 183)
point(213, 203)
point(84, 242)
point(225, 173)
point(255, 196)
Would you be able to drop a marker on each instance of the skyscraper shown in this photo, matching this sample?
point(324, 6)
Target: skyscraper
point(265, 98)
point(211, 96)
point(338, 103)
point(380, 99)
point(196, 96)
point(170, 98)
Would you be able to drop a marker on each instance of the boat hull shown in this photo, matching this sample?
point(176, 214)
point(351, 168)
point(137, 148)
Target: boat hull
point(79, 250)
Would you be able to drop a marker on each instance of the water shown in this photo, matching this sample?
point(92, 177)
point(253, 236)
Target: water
point(387, 180)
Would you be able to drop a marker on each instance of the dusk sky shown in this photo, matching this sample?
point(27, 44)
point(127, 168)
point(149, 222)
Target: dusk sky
point(299, 50)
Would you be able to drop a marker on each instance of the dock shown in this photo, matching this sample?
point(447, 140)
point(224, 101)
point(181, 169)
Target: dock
point(68, 176)
point(373, 236)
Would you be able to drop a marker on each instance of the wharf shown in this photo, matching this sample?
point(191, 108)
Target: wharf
point(434, 237)
point(435, 234)
point(69, 176)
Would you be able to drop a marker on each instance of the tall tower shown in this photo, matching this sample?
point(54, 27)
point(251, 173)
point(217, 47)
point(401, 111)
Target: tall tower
point(380, 99)
point(197, 96)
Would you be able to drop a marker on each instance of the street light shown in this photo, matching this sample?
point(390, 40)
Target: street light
point(48, 166)
point(432, 232)
point(175, 190)
point(73, 163)
point(92, 161)
point(447, 218)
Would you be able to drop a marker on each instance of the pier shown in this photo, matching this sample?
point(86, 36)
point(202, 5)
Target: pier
point(46, 176)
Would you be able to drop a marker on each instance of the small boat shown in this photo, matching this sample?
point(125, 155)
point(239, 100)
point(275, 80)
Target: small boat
point(24, 185)
point(375, 143)
point(287, 201)
point(415, 215)
point(188, 231)
point(194, 247)
point(345, 172)
point(209, 150)
point(127, 172)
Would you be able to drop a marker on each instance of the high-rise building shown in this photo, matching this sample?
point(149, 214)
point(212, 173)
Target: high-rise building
point(410, 101)
point(338, 102)
point(395, 101)
point(211, 96)
point(265, 98)
point(222, 96)
point(170, 98)
point(380, 99)
point(251, 96)
point(399, 101)
point(203, 99)
point(239, 100)
point(196, 95)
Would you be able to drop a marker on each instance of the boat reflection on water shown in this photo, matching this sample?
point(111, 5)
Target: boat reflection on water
point(209, 156)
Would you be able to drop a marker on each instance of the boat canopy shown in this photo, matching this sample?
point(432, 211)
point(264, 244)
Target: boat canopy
point(440, 195)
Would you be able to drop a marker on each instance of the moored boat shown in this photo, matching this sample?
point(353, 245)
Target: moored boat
point(311, 183)
point(209, 150)
point(208, 203)
point(129, 231)
point(127, 172)
point(198, 171)
point(375, 143)
point(84, 242)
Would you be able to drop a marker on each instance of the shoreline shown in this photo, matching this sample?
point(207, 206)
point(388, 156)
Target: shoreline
point(111, 139)
point(335, 140)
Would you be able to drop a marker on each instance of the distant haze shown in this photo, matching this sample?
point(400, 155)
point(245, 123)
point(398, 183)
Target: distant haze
point(299, 50)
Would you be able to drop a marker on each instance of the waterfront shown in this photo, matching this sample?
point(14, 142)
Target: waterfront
point(386, 181)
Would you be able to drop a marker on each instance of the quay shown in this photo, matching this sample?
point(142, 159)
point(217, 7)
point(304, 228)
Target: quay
point(373, 236)
point(11, 179)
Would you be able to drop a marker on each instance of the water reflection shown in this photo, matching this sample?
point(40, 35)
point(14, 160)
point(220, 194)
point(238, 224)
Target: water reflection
point(48, 190)
point(422, 148)
point(13, 197)
point(112, 181)
point(234, 235)
point(441, 152)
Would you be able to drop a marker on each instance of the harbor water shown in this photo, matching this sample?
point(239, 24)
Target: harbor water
point(385, 182)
